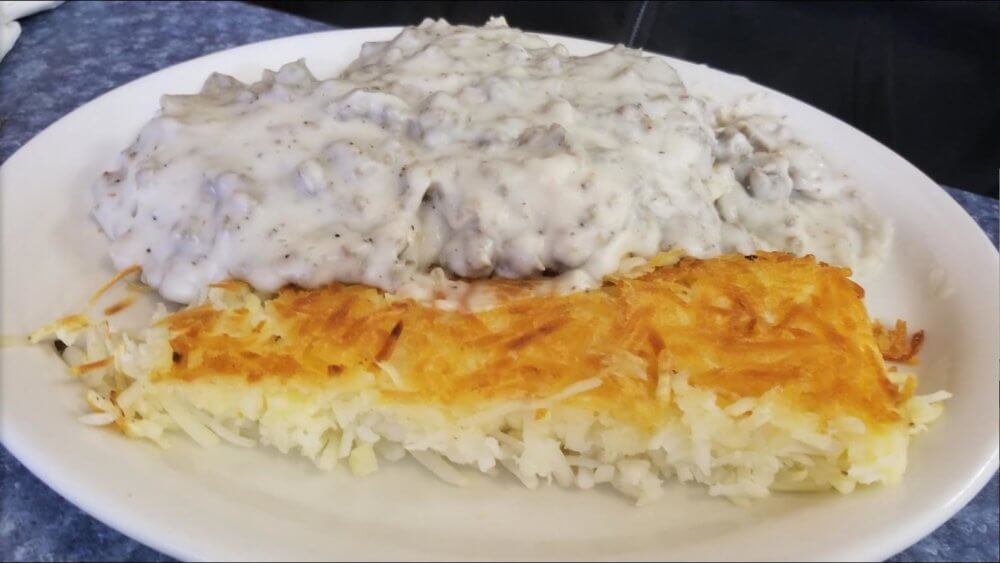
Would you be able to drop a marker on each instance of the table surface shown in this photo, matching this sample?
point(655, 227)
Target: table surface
point(81, 50)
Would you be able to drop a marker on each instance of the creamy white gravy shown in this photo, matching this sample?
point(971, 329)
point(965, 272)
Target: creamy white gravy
point(480, 151)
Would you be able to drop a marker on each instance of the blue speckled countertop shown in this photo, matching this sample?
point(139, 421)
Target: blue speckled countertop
point(81, 50)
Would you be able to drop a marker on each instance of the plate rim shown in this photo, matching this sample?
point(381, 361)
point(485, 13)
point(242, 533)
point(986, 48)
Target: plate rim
point(895, 537)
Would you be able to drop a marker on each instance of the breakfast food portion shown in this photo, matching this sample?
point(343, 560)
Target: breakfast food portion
point(477, 250)
point(746, 374)
point(480, 151)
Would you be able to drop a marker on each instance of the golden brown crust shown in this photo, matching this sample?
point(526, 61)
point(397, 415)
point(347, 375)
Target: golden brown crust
point(740, 326)
point(896, 345)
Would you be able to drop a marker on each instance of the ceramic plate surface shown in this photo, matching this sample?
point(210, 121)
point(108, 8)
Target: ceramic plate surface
point(226, 503)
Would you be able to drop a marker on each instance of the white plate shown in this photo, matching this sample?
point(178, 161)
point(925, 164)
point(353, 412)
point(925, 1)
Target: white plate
point(235, 504)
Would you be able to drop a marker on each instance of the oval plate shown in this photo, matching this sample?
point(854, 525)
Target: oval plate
point(226, 503)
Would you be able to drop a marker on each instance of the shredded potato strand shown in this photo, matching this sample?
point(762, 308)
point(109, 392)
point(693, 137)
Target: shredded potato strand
point(111, 283)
